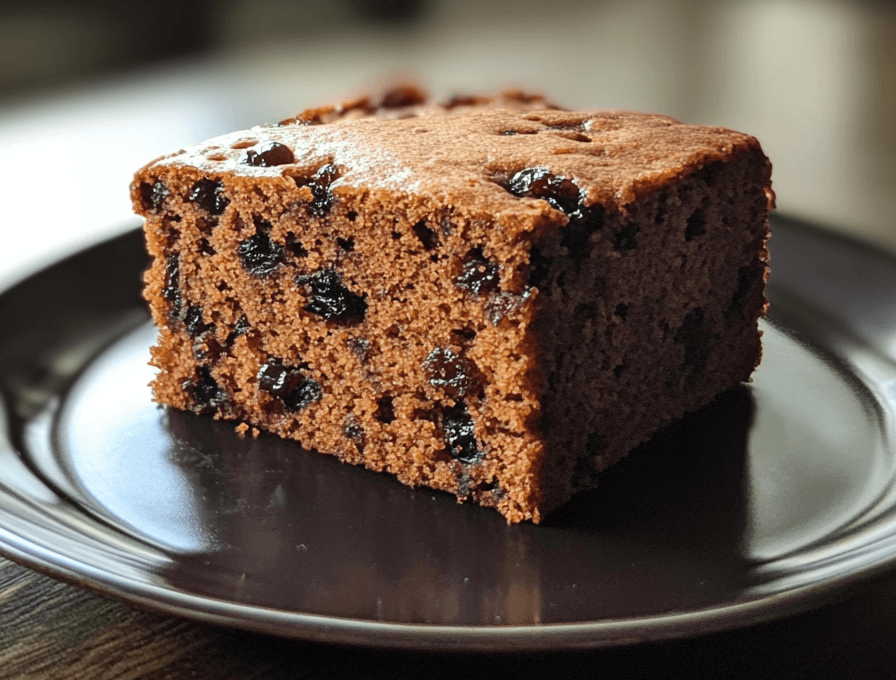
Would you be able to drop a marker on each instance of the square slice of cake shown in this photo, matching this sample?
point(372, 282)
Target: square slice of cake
point(494, 297)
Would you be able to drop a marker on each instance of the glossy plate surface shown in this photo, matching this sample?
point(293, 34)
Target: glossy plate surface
point(772, 499)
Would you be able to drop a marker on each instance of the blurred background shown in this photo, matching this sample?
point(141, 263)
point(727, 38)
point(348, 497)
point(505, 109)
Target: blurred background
point(92, 89)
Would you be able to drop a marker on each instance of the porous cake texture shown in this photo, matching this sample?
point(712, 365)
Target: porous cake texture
point(493, 296)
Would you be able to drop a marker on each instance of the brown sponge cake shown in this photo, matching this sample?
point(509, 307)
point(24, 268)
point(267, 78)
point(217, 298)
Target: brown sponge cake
point(494, 297)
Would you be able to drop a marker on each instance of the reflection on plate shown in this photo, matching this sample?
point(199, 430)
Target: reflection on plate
point(771, 499)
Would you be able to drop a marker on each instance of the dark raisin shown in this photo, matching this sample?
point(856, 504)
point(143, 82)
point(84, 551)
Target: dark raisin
point(306, 393)
point(204, 392)
point(240, 328)
point(425, 235)
point(625, 239)
point(153, 195)
point(500, 305)
point(320, 187)
point(450, 372)
point(209, 196)
point(268, 155)
point(564, 195)
point(353, 430)
point(332, 300)
point(385, 412)
point(560, 192)
point(696, 225)
point(351, 215)
point(319, 183)
point(739, 299)
point(697, 340)
point(288, 384)
point(460, 438)
point(171, 289)
point(621, 310)
point(193, 321)
point(260, 255)
point(479, 274)
point(347, 244)
point(278, 379)
point(401, 96)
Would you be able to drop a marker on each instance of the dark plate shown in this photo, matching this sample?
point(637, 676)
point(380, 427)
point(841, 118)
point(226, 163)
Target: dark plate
point(774, 498)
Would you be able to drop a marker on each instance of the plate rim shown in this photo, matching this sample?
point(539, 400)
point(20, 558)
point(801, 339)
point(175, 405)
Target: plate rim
point(439, 637)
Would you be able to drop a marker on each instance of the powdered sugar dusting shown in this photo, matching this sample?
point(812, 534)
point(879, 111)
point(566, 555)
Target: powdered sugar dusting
point(312, 145)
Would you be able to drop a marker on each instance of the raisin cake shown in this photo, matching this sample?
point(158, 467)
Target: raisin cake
point(492, 296)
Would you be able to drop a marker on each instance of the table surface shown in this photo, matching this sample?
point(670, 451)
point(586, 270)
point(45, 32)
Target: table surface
point(50, 629)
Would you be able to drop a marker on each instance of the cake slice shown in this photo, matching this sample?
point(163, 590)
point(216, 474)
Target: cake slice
point(494, 297)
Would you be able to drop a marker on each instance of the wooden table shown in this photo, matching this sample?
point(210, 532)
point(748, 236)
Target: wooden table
point(50, 629)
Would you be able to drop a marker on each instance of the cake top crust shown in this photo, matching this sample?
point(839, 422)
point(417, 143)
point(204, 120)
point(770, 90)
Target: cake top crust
point(470, 150)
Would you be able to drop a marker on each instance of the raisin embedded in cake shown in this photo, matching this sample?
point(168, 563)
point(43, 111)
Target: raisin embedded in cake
point(493, 296)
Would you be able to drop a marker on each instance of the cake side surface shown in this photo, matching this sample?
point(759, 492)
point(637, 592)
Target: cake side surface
point(495, 302)
point(658, 320)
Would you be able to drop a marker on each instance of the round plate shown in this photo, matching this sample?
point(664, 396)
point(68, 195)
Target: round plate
point(771, 499)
